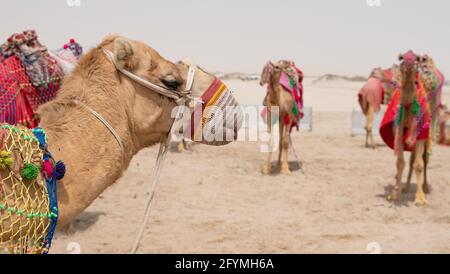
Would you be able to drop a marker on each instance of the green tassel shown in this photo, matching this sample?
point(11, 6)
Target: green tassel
point(416, 106)
point(401, 115)
point(291, 82)
point(30, 172)
point(295, 110)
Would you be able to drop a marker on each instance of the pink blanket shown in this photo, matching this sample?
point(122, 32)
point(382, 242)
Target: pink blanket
point(372, 93)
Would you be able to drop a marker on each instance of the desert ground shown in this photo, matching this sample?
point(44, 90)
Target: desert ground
point(215, 199)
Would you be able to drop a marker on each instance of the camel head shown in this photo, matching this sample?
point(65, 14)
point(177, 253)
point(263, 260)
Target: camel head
point(271, 72)
point(427, 75)
point(142, 60)
point(409, 66)
point(377, 73)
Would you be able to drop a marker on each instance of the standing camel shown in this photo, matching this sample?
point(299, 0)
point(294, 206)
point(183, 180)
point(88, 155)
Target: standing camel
point(285, 91)
point(406, 125)
point(433, 82)
point(94, 156)
point(378, 90)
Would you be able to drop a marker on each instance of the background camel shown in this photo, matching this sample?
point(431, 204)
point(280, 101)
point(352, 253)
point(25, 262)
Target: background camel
point(406, 125)
point(290, 106)
point(140, 116)
point(378, 90)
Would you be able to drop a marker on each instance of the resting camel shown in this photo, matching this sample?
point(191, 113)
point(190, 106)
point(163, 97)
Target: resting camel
point(290, 107)
point(406, 125)
point(378, 90)
point(140, 117)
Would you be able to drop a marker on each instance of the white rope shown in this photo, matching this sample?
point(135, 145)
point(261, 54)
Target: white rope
point(291, 144)
point(180, 98)
point(103, 120)
point(163, 148)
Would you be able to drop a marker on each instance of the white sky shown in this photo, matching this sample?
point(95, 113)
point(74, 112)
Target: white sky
point(322, 36)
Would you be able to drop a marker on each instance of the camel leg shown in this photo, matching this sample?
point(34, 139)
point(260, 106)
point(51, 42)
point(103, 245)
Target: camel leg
point(411, 167)
point(426, 160)
point(369, 126)
point(267, 169)
point(285, 150)
point(395, 194)
point(181, 146)
point(419, 170)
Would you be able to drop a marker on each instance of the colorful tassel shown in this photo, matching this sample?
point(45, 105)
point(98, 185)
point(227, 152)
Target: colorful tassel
point(5, 159)
point(48, 168)
point(30, 172)
point(60, 170)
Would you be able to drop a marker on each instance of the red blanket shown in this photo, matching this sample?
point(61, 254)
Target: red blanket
point(418, 129)
point(372, 93)
point(15, 88)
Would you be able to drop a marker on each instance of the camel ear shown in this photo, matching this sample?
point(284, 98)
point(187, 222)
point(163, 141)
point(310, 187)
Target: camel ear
point(125, 54)
point(400, 57)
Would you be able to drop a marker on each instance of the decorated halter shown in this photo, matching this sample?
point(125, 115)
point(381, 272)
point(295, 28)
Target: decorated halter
point(180, 97)
point(217, 95)
point(28, 194)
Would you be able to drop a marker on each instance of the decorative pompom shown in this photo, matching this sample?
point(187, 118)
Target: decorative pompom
point(5, 159)
point(72, 41)
point(30, 172)
point(66, 46)
point(60, 170)
point(48, 168)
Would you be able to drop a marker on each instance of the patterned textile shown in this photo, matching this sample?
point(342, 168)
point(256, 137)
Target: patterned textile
point(372, 93)
point(68, 56)
point(28, 201)
point(29, 76)
point(435, 95)
point(15, 87)
point(217, 120)
point(418, 128)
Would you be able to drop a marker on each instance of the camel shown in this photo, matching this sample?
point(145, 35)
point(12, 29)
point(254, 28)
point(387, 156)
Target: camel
point(140, 117)
point(409, 108)
point(290, 110)
point(378, 90)
point(433, 82)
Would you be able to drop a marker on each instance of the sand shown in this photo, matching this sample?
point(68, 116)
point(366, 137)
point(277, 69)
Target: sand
point(215, 199)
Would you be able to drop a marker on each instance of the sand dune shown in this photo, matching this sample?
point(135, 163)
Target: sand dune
point(215, 200)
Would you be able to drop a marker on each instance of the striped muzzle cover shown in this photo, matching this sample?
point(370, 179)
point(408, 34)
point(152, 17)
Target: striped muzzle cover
point(217, 120)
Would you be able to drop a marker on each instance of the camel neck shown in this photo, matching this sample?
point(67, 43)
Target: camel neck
point(408, 91)
point(93, 158)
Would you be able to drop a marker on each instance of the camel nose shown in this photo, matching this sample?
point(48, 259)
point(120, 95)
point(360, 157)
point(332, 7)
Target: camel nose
point(171, 82)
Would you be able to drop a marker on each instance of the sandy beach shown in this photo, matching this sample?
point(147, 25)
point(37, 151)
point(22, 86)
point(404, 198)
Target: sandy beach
point(215, 199)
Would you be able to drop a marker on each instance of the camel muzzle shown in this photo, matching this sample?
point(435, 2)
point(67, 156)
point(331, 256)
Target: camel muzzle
point(217, 120)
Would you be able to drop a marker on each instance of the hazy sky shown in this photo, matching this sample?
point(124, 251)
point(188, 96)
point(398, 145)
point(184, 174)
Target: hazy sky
point(322, 36)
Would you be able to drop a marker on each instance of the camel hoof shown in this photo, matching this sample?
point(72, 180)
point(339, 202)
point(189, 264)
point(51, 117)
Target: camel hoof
point(266, 169)
point(285, 169)
point(181, 147)
point(394, 196)
point(420, 200)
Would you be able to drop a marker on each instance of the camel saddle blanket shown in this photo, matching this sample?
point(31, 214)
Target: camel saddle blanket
point(416, 129)
point(372, 93)
point(31, 76)
point(28, 197)
point(444, 129)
